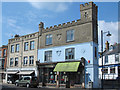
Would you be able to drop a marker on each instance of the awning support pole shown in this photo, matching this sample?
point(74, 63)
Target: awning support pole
point(57, 80)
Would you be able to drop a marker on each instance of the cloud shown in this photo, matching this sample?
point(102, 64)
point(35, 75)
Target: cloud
point(15, 28)
point(55, 7)
point(108, 26)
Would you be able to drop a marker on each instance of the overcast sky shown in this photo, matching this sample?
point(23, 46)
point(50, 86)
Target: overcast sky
point(24, 17)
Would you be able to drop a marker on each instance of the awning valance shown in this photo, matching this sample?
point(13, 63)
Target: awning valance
point(11, 72)
point(25, 72)
point(67, 67)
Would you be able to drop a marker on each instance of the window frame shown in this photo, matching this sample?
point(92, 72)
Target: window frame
point(32, 45)
point(11, 61)
point(31, 59)
point(111, 70)
point(12, 48)
point(16, 58)
point(117, 57)
point(70, 35)
point(26, 44)
point(49, 39)
point(67, 54)
point(48, 56)
point(17, 48)
point(25, 61)
point(4, 52)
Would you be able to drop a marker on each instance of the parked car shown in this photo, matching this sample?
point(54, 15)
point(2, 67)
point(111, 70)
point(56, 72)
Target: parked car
point(28, 81)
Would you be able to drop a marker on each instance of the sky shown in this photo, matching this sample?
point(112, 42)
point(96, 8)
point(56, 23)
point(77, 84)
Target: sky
point(24, 17)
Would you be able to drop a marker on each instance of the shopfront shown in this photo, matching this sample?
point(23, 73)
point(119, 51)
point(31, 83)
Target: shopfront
point(61, 75)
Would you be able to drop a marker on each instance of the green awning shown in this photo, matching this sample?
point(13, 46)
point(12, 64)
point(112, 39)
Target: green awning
point(67, 67)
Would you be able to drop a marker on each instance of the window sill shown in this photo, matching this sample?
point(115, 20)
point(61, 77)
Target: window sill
point(25, 50)
point(32, 49)
point(48, 44)
point(17, 52)
point(70, 41)
point(31, 64)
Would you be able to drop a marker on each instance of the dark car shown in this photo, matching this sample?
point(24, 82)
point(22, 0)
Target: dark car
point(28, 81)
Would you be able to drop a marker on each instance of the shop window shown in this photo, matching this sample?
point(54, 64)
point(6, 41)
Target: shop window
point(106, 59)
point(16, 61)
point(32, 45)
point(112, 70)
point(31, 58)
point(25, 60)
point(48, 56)
point(26, 46)
point(4, 52)
point(11, 62)
point(12, 48)
point(105, 70)
point(69, 53)
point(49, 39)
point(17, 48)
point(70, 35)
point(116, 57)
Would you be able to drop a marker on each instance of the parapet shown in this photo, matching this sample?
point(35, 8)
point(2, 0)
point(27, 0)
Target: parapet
point(63, 25)
point(87, 6)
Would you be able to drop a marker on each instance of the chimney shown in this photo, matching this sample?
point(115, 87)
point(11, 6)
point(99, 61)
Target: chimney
point(41, 26)
point(107, 45)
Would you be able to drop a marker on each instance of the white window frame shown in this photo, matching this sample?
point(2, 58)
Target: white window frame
point(12, 48)
point(31, 60)
point(48, 39)
point(25, 62)
point(11, 62)
point(26, 44)
point(16, 60)
point(17, 47)
point(70, 35)
point(32, 46)
point(69, 51)
point(48, 56)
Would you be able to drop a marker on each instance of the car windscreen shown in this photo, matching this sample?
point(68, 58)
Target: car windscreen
point(26, 78)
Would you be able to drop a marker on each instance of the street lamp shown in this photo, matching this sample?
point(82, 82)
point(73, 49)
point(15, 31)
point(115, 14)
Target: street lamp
point(107, 34)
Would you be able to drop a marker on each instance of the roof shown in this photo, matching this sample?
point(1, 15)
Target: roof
point(116, 49)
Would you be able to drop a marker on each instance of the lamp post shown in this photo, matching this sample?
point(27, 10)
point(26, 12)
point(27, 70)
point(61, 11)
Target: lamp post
point(108, 34)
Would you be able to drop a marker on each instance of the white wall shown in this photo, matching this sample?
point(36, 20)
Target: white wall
point(85, 50)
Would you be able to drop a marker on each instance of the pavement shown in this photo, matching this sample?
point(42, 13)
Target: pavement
point(13, 87)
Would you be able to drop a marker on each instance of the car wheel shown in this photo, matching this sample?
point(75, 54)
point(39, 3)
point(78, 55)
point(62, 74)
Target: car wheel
point(28, 85)
point(16, 84)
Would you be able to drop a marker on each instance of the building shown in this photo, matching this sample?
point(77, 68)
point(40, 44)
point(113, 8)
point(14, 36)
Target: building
point(111, 62)
point(68, 52)
point(3, 62)
point(22, 56)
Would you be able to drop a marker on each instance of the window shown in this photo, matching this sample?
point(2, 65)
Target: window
point(95, 52)
point(48, 55)
point(0, 53)
point(26, 46)
point(27, 78)
point(25, 61)
point(11, 61)
point(105, 70)
point(49, 39)
point(12, 48)
point(31, 62)
point(4, 52)
point(69, 53)
point(16, 61)
point(106, 59)
point(17, 47)
point(31, 45)
point(70, 35)
point(112, 70)
point(117, 58)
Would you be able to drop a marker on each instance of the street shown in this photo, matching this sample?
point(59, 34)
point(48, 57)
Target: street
point(13, 87)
